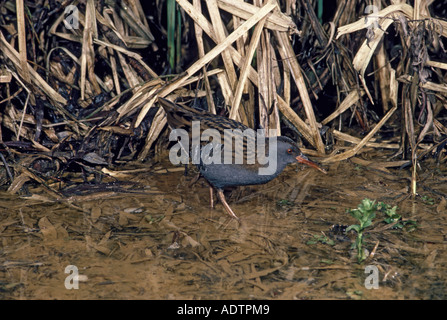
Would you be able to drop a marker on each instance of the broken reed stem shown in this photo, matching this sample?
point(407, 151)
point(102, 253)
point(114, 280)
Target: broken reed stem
point(414, 179)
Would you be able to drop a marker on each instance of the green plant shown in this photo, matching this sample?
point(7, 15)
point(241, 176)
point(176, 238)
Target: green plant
point(391, 216)
point(365, 213)
point(390, 213)
point(174, 25)
point(321, 238)
point(428, 200)
point(284, 203)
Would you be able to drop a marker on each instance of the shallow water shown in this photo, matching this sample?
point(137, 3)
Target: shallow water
point(149, 234)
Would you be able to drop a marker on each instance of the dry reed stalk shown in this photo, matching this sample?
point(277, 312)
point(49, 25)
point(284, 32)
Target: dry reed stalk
point(348, 138)
point(5, 77)
point(88, 52)
point(134, 20)
point(291, 115)
point(266, 91)
point(36, 79)
point(437, 64)
point(383, 68)
point(144, 99)
point(128, 53)
point(240, 43)
point(290, 58)
point(416, 10)
point(362, 143)
point(220, 31)
point(140, 96)
point(200, 47)
point(393, 98)
point(21, 32)
point(406, 9)
point(276, 21)
point(438, 87)
point(244, 70)
point(158, 124)
point(347, 102)
point(366, 51)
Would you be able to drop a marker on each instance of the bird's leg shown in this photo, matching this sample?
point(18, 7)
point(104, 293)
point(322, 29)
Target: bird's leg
point(211, 198)
point(221, 196)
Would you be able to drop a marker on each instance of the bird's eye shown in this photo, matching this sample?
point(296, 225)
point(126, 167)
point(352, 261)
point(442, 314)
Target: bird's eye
point(289, 151)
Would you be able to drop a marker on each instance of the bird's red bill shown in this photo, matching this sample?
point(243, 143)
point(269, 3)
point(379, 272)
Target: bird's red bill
point(304, 160)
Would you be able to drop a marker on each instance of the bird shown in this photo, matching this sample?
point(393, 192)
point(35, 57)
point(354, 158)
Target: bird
point(240, 168)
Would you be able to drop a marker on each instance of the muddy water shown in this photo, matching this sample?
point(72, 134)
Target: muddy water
point(149, 234)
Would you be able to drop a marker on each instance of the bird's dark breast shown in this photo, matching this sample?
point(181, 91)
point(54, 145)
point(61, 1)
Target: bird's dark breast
point(232, 175)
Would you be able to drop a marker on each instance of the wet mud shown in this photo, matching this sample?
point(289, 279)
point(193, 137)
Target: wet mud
point(148, 233)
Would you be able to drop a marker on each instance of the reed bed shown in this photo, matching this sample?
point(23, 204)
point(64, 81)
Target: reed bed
point(79, 80)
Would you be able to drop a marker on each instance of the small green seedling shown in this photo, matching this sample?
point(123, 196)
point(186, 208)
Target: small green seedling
point(390, 213)
point(321, 238)
point(365, 213)
point(428, 200)
point(391, 216)
point(284, 203)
